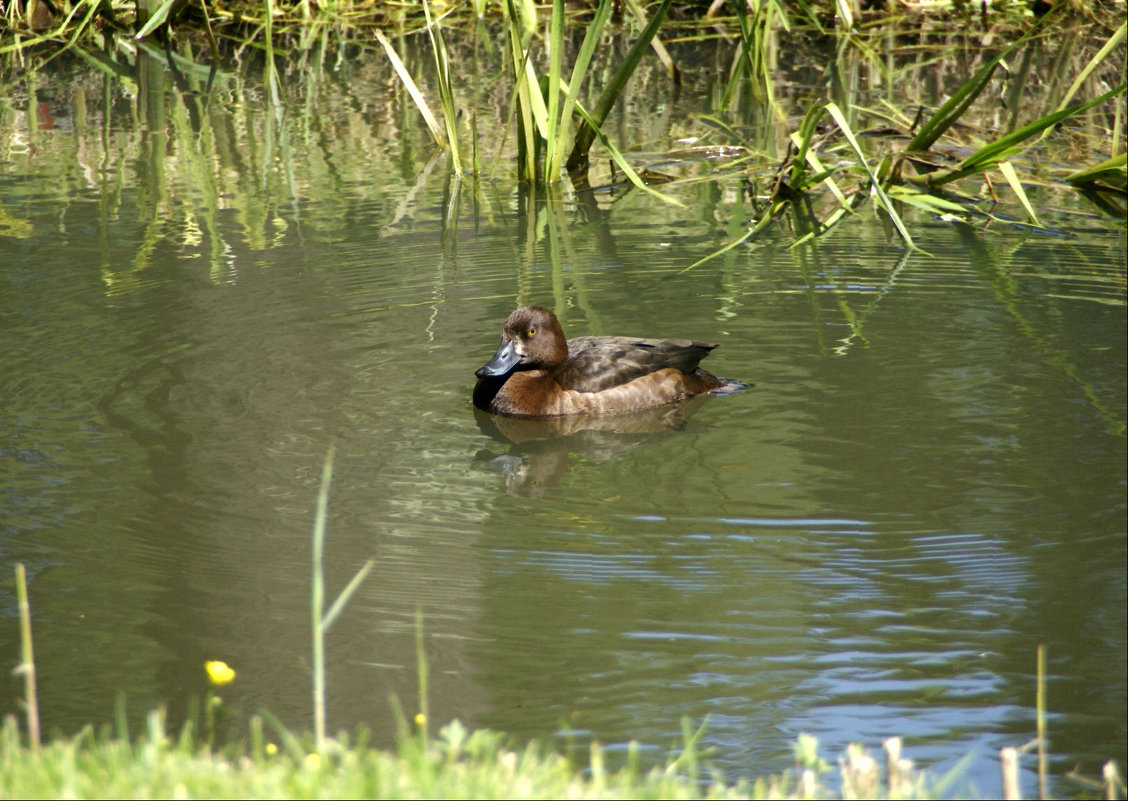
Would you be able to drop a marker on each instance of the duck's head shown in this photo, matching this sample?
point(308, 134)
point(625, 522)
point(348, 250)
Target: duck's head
point(530, 339)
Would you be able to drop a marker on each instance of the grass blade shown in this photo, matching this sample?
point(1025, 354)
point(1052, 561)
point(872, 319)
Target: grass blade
point(836, 113)
point(317, 600)
point(446, 93)
point(347, 593)
point(579, 71)
point(552, 119)
point(413, 90)
point(421, 669)
point(588, 133)
point(621, 162)
point(989, 155)
point(157, 19)
point(1114, 41)
point(526, 124)
point(1113, 172)
point(949, 113)
point(1007, 169)
point(1040, 710)
point(27, 659)
point(801, 178)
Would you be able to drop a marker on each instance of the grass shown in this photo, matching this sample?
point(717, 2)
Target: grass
point(458, 763)
point(561, 95)
point(455, 764)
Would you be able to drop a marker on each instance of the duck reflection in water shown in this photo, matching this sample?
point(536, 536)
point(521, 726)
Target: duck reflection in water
point(600, 396)
point(538, 451)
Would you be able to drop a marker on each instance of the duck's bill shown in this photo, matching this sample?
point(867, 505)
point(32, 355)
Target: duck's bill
point(502, 362)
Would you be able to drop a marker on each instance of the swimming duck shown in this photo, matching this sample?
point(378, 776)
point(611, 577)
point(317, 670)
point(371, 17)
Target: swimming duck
point(537, 372)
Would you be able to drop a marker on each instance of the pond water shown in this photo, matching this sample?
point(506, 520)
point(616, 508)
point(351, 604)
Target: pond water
point(200, 293)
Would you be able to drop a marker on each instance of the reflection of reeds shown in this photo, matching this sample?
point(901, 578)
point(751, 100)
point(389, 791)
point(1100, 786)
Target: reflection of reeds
point(207, 156)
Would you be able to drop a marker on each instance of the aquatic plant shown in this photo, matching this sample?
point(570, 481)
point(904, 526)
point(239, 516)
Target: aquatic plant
point(842, 147)
point(322, 620)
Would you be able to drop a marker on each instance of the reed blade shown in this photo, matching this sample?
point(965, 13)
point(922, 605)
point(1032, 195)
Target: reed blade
point(949, 113)
point(413, 90)
point(989, 155)
point(1008, 171)
point(886, 203)
point(559, 142)
point(621, 162)
point(446, 92)
point(587, 133)
point(1111, 45)
point(27, 659)
point(552, 119)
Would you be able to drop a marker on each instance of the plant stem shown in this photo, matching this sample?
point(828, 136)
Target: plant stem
point(1040, 705)
point(27, 656)
point(317, 602)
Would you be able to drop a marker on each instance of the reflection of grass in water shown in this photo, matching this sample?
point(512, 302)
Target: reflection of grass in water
point(455, 764)
point(1009, 294)
point(819, 173)
point(549, 117)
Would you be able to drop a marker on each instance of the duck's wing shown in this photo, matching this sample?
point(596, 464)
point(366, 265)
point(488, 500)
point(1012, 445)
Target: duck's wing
point(598, 363)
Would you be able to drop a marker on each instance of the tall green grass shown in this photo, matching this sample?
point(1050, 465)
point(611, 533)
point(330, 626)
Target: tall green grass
point(546, 106)
point(914, 175)
point(322, 620)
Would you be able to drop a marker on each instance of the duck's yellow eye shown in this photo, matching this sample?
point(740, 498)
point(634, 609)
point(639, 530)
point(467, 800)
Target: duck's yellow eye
point(532, 332)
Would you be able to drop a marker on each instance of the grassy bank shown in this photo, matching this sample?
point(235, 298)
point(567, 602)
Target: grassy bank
point(456, 764)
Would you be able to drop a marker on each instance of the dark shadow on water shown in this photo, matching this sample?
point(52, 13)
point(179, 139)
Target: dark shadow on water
point(539, 449)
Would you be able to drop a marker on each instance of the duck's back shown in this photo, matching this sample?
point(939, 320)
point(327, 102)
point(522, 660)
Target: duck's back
point(595, 364)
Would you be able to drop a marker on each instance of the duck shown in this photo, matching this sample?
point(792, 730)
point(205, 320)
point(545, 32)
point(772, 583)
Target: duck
point(538, 372)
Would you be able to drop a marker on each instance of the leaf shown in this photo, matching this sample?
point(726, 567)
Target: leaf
point(614, 87)
point(1007, 169)
point(618, 158)
point(989, 155)
point(1114, 41)
point(413, 90)
point(347, 593)
point(834, 111)
point(1111, 171)
point(949, 113)
point(155, 21)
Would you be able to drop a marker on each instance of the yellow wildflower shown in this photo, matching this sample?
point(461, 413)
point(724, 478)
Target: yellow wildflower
point(219, 673)
point(420, 719)
point(271, 749)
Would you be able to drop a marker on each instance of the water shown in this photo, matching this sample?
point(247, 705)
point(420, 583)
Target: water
point(926, 481)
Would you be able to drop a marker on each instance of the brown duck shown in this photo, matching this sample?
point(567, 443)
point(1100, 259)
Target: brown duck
point(537, 372)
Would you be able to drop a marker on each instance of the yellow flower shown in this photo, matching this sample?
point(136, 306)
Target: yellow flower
point(219, 673)
point(271, 749)
point(420, 719)
point(313, 761)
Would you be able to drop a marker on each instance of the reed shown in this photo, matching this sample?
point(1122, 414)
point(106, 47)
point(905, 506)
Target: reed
point(27, 659)
point(446, 92)
point(912, 175)
point(322, 620)
point(578, 158)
